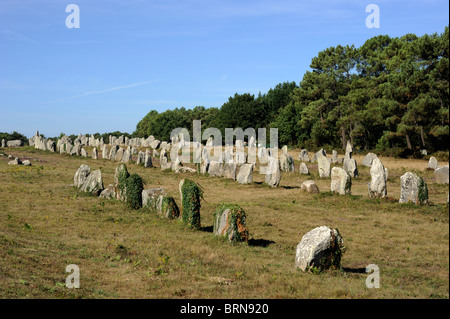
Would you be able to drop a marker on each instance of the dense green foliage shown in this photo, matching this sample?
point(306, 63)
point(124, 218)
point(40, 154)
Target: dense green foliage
point(191, 196)
point(134, 187)
point(389, 94)
point(13, 136)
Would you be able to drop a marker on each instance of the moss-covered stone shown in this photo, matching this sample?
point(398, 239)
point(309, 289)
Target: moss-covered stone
point(191, 194)
point(229, 222)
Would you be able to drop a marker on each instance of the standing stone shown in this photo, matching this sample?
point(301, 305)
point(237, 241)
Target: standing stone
point(94, 153)
point(215, 169)
point(273, 172)
point(155, 144)
point(286, 163)
point(126, 155)
point(303, 157)
point(148, 159)
point(93, 183)
point(377, 185)
point(245, 175)
point(321, 152)
point(441, 175)
point(105, 152)
point(3, 143)
point(163, 161)
point(320, 248)
point(140, 158)
point(230, 170)
point(113, 152)
point(191, 195)
point(159, 202)
point(324, 166)
point(368, 159)
point(334, 157)
point(177, 164)
point(351, 167)
point(433, 163)
point(413, 188)
point(229, 222)
point(83, 152)
point(303, 169)
point(81, 175)
point(309, 186)
point(284, 149)
point(119, 154)
point(51, 146)
point(341, 182)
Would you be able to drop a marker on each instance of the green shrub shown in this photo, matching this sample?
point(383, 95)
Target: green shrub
point(191, 196)
point(134, 187)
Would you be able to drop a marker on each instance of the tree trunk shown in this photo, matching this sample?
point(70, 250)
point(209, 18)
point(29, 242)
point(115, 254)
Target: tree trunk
point(422, 136)
point(408, 142)
point(343, 138)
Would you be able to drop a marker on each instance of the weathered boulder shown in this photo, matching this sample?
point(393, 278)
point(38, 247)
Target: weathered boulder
point(433, 163)
point(245, 174)
point(14, 143)
point(229, 222)
point(377, 186)
point(368, 159)
point(441, 175)
point(321, 249)
point(341, 182)
point(309, 186)
point(93, 183)
point(16, 161)
point(303, 169)
point(81, 175)
point(413, 188)
point(184, 169)
point(26, 163)
point(108, 192)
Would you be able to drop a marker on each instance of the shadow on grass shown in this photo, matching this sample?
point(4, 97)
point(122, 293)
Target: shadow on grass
point(260, 242)
point(208, 229)
point(354, 270)
point(290, 187)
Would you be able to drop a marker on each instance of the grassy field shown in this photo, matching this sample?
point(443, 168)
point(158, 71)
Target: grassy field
point(45, 225)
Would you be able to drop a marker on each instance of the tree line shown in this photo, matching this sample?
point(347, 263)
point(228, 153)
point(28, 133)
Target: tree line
point(390, 93)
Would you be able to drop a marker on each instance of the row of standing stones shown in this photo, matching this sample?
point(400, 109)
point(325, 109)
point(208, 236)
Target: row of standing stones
point(321, 248)
point(240, 166)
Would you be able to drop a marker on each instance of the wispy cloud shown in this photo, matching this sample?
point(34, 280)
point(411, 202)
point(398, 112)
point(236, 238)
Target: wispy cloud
point(116, 88)
point(16, 36)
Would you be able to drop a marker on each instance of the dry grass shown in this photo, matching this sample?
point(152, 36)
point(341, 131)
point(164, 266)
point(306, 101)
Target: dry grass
point(46, 225)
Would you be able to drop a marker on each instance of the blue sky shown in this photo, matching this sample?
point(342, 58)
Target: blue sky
point(131, 56)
